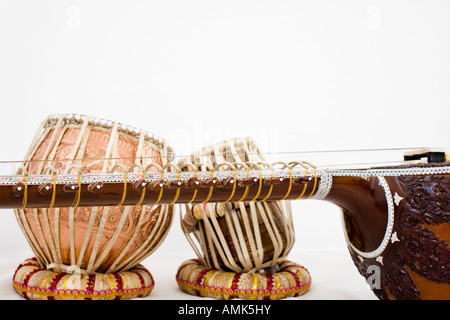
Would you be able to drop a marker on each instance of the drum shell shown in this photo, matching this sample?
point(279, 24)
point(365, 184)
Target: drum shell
point(97, 239)
point(272, 251)
point(275, 246)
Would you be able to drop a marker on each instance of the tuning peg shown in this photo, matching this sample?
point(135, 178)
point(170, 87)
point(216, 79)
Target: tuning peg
point(157, 185)
point(273, 180)
point(174, 184)
point(301, 180)
point(140, 184)
point(96, 186)
point(193, 182)
point(247, 181)
point(70, 188)
point(210, 182)
point(227, 182)
point(19, 189)
point(45, 188)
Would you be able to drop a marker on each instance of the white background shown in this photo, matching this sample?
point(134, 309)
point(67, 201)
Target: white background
point(294, 75)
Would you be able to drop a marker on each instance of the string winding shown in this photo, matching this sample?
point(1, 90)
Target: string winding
point(78, 193)
point(25, 191)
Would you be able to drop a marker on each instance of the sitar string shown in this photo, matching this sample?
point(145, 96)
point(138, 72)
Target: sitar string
point(240, 154)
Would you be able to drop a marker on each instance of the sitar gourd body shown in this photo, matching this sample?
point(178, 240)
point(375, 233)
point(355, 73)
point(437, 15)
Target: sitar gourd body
point(398, 229)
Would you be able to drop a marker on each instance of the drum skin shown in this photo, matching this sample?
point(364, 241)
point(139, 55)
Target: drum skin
point(95, 239)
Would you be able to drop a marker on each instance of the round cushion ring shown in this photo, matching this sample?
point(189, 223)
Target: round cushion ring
point(197, 279)
point(36, 283)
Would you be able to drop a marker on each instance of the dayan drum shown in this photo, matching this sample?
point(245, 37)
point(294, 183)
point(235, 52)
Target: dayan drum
point(92, 240)
point(244, 244)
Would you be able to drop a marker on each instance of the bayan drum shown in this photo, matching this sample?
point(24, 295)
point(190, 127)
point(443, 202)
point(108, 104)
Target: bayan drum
point(244, 243)
point(90, 252)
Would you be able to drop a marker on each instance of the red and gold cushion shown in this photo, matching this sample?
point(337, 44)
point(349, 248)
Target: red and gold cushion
point(36, 283)
point(197, 279)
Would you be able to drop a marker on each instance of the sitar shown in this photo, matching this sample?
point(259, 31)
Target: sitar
point(396, 217)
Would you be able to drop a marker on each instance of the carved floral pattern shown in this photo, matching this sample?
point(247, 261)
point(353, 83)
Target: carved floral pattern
point(423, 201)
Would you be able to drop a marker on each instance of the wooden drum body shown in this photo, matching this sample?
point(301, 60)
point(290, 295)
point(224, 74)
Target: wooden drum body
point(241, 236)
point(92, 239)
point(252, 236)
point(241, 246)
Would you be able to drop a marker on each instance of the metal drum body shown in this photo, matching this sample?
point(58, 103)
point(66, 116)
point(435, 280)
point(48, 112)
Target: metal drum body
point(242, 236)
point(93, 239)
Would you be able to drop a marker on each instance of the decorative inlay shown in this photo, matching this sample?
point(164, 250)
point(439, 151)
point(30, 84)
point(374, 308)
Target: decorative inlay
point(389, 226)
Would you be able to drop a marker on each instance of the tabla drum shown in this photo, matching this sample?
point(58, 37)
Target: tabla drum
point(244, 237)
point(89, 242)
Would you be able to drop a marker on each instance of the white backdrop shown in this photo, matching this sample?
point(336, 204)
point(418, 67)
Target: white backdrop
point(294, 75)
